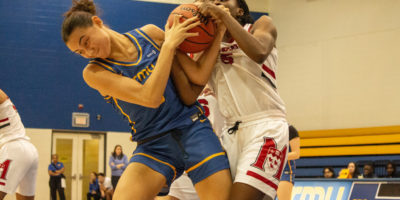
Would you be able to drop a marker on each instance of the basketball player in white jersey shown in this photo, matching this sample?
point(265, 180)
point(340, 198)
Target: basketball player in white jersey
point(182, 188)
point(256, 131)
point(18, 157)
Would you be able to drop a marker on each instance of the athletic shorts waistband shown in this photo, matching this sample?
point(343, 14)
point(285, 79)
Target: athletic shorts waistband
point(272, 114)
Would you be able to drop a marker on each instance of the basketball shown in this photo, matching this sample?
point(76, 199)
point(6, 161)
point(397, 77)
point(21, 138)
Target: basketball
point(206, 29)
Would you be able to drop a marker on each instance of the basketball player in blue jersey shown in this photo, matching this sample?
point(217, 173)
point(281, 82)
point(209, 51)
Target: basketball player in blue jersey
point(287, 180)
point(132, 72)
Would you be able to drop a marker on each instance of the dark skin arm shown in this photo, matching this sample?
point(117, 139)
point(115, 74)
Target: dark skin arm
point(258, 43)
point(199, 72)
point(188, 92)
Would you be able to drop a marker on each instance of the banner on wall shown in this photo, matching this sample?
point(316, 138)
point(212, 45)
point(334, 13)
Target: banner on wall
point(350, 189)
point(375, 190)
point(321, 190)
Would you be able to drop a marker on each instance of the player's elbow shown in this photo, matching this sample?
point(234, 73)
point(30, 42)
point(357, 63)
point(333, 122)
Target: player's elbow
point(199, 80)
point(155, 103)
point(188, 101)
point(297, 155)
point(261, 56)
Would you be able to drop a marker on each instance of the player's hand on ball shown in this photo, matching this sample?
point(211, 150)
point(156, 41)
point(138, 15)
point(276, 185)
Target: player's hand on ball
point(209, 9)
point(176, 33)
point(221, 28)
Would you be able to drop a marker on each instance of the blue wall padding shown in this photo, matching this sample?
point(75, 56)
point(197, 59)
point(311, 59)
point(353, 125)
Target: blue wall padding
point(43, 78)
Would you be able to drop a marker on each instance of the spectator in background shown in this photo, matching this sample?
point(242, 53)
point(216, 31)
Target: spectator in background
point(391, 171)
point(106, 188)
point(56, 170)
point(118, 162)
point(353, 170)
point(329, 172)
point(94, 188)
point(368, 171)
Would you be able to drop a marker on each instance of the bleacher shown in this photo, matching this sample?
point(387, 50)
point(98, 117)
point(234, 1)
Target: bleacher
point(336, 148)
point(312, 167)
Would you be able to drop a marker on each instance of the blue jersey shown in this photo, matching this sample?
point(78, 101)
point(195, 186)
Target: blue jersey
point(147, 122)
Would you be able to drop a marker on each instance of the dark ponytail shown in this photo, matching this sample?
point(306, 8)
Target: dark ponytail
point(79, 15)
point(246, 17)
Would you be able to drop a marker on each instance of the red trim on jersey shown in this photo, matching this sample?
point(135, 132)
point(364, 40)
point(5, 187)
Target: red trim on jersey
point(263, 179)
point(191, 55)
point(3, 120)
point(251, 26)
point(2, 183)
point(269, 71)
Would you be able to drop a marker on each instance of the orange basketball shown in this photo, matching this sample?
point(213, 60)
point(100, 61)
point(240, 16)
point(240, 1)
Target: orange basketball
point(206, 29)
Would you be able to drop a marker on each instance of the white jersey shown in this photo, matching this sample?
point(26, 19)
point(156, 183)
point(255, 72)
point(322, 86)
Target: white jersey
point(244, 87)
point(210, 106)
point(11, 127)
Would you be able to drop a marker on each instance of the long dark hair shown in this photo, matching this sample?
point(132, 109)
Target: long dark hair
point(331, 170)
point(394, 168)
point(79, 15)
point(95, 174)
point(356, 171)
point(114, 154)
point(246, 17)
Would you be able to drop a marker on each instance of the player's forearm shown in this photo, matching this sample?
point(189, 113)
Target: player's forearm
point(293, 155)
point(253, 48)
point(207, 61)
point(155, 86)
point(187, 91)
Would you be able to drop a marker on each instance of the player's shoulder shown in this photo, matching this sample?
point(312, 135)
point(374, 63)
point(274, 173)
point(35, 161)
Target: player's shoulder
point(264, 23)
point(154, 32)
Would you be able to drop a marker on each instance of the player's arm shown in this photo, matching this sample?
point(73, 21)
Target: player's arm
point(199, 71)
point(295, 147)
point(151, 93)
point(187, 91)
point(258, 43)
point(3, 96)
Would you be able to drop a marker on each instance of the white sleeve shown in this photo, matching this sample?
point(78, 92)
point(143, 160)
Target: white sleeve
point(107, 183)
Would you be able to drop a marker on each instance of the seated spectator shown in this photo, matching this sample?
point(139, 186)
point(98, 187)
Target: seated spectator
point(94, 189)
point(106, 188)
point(329, 172)
point(391, 171)
point(368, 171)
point(353, 170)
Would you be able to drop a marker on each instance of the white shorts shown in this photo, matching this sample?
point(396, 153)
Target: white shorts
point(18, 167)
point(257, 151)
point(183, 189)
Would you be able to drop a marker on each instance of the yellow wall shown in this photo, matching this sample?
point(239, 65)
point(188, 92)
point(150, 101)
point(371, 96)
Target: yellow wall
point(346, 142)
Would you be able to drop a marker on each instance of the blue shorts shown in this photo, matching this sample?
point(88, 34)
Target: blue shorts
point(194, 149)
point(289, 172)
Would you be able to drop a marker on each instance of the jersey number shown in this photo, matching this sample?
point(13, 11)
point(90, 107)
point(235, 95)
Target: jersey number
point(270, 155)
point(227, 58)
point(204, 103)
point(3, 170)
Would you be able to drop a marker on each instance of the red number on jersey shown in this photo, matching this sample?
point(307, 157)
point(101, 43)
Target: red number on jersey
point(3, 170)
point(227, 58)
point(204, 103)
point(275, 158)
